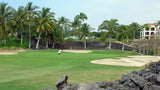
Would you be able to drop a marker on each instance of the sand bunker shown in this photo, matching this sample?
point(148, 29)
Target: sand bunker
point(11, 52)
point(130, 61)
point(78, 51)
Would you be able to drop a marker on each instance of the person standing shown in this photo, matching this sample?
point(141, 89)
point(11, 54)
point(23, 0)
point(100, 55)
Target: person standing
point(59, 52)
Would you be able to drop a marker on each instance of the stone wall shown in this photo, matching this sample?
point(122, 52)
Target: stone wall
point(90, 45)
point(145, 46)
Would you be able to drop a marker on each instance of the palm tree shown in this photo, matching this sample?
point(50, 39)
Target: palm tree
point(81, 17)
point(76, 25)
point(110, 26)
point(57, 35)
point(85, 31)
point(20, 21)
point(44, 20)
point(103, 37)
point(145, 26)
point(29, 12)
point(134, 27)
point(5, 12)
point(157, 24)
point(123, 34)
point(62, 21)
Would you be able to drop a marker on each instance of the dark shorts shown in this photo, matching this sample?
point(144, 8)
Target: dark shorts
point(59, 53)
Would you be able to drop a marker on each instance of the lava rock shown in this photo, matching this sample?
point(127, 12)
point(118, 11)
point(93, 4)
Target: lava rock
point(138, 80)
point(62, 82)
point(146, 79)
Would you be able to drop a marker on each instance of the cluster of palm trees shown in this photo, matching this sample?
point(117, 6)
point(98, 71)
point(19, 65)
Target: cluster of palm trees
point(40, 25)
point(120, 32)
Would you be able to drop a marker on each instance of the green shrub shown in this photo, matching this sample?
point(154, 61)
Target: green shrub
point(69, 39)
point(24, 45)
point(13, 42)
point(151, 52)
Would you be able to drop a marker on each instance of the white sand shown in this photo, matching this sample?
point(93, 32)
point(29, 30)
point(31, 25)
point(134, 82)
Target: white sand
point(78, 51)
point(11, 52)
point(130, 61)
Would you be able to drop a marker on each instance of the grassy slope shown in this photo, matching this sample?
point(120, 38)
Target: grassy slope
point(35, 70)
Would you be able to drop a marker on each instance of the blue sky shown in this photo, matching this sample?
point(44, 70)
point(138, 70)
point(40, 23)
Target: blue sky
point(126, 11)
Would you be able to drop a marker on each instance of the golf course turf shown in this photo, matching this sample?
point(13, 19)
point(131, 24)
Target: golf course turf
point(36, 70)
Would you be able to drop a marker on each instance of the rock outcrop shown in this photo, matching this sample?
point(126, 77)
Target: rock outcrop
point(146, 79)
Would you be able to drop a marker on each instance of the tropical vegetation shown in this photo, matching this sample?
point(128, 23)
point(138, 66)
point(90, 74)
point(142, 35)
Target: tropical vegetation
point(29, 25)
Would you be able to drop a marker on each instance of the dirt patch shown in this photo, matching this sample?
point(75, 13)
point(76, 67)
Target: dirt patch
point(11, 52)
point(130, 61)
point(78, 51)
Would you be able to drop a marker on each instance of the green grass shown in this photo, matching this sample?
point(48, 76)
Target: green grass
point(36, 70)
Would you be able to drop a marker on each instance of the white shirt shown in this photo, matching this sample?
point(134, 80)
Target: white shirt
point(59, 51)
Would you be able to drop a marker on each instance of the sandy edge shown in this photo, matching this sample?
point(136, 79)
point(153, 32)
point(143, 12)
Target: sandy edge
point(11, 52)
point(138, 61)
point(78, 51)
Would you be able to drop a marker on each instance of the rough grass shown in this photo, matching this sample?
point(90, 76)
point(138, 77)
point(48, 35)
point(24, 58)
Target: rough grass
point(35, 70)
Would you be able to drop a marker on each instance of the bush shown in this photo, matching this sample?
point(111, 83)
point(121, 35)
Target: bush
point(151, 52)
point(69, 39)
point(24, 45)
point(13, 42)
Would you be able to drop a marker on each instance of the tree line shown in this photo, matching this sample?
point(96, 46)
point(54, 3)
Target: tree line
point(27, 23)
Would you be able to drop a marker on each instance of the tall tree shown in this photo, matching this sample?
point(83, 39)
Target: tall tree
point(146, 26)
point(5, 12)
point(85, 31)
point(134, 27)
point(57, 36)
point(123, 34)
point(44, 19)
point(62, 21)
point(76, 26)
point(77, 23)
point(157, 24)
point(29, 12)
point(102, 37)
point(19, 15)
point(110, 26)
point(81, 17)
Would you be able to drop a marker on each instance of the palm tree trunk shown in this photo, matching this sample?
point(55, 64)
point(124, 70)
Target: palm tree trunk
point(85, 45)
point(63, 29)
point(47, 43)
point(29, 37)
point(123, 46)
point(21, 38)
point(110, 43)
point(85, 42)
point(53, 45)
point(37, 45)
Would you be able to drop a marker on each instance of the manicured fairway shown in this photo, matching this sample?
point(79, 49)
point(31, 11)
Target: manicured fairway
point(35, 70)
